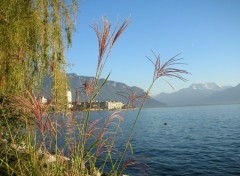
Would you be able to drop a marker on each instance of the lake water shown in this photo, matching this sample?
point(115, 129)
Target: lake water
point(199, 140)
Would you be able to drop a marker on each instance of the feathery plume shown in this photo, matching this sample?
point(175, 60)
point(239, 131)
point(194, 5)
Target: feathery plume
point(104, 36)
point(166, 69)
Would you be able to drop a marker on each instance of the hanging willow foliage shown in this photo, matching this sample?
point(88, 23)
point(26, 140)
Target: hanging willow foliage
point(33, 37)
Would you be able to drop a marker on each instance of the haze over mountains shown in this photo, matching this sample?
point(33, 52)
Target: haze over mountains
point(201, 94)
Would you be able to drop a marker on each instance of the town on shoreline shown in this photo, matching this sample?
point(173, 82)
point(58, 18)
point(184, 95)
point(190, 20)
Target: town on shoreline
point(94, 105)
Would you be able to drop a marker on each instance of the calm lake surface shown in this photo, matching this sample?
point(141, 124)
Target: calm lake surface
point(199, 140)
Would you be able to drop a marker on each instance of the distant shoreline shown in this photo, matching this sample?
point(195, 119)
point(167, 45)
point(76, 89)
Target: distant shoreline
point(125, 109)
point(173, 106)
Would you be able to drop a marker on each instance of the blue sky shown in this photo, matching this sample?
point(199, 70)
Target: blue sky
point(206, 32)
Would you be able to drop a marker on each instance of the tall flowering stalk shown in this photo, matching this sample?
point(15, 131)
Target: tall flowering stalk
point(88, 87)
point(106, 41)
point(166, 69)
point(160, 71)
point(132, 97)
point(39, 112)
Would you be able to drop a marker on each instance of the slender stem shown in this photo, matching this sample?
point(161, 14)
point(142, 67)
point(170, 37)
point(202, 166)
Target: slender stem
point(134, 124)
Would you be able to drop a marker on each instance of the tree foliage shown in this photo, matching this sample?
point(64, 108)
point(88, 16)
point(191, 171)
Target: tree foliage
point(33, 37)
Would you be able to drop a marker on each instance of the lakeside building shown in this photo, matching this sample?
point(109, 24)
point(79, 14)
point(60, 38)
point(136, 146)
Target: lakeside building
point(101, 105)
point(111, 105)
point(44, 100)
point(69, 99)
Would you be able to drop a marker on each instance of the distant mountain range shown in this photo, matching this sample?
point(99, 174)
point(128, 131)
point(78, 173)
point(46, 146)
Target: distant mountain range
point(201, 94)
point(196, 94)
point(108, 93)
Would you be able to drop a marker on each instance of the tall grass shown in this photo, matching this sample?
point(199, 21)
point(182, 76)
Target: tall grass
point(90, 144)
point(160, 71)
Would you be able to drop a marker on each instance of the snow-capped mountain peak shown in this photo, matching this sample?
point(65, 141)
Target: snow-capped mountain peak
point(206, 86)
point(202, 94)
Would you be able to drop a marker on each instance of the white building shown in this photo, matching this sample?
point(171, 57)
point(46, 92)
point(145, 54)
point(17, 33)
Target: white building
point(69, 98)
point(113, 105)
point(44, 100)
